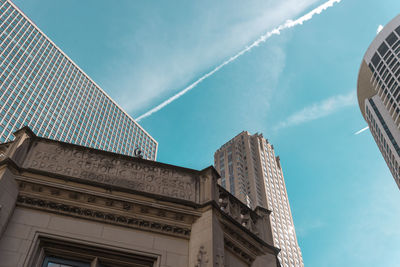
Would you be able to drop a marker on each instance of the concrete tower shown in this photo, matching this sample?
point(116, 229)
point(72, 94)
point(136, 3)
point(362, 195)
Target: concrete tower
point(250, 170)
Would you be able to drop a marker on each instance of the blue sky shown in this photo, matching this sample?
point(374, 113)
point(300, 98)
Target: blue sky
point(298, 89)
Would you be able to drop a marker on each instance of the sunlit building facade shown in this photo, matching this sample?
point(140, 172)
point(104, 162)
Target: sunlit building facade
point(41, 87)
point(250, 170)
point(378, 93)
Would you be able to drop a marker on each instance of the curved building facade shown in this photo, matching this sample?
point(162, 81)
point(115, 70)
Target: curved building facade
point(378, 92)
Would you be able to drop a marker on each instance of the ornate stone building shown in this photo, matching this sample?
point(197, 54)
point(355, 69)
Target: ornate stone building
point(67, 205)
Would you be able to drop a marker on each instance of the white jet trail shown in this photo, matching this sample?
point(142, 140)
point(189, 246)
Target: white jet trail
point(288, 24)
point(362, 130)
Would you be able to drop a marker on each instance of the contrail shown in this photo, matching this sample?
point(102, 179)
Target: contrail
point(276, 31)
point(362, 130)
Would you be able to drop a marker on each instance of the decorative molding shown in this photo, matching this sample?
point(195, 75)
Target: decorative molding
point(235, 235)
point(57, 186)
point(106, 209)
point(45, 244)
point(102, 216)
point(238, 251)
point(237, 210)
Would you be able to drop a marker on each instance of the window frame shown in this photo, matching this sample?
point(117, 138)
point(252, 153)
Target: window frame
point(48, 247)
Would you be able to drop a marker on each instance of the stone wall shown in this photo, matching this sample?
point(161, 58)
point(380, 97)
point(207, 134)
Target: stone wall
point(26, 225)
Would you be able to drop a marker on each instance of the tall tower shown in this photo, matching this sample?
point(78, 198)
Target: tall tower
point(250, 170)
point(378, 92)
point(41, 87)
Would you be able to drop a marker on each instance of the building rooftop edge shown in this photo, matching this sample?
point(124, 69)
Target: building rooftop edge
point(28, 131)
point(363, 90)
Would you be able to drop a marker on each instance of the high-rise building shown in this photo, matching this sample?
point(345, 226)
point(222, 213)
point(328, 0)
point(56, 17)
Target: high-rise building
point(250, 171)
point(43, 88)
point(378, 91)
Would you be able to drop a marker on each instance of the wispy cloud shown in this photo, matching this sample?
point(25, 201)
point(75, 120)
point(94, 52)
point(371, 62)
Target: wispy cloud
point(319, 110)
point(276, 31)
point(154, 56)
point(362, 130)
point(380, 27)
point(310, 226)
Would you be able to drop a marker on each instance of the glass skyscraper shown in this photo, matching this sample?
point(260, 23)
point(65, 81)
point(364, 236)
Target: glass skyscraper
point(43, 88)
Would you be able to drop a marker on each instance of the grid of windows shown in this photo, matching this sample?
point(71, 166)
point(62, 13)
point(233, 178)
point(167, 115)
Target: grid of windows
point(281, 218)
point(384, 138)
point(254, 176)
point(42, 88)
point(385, 66)
point(381, 109)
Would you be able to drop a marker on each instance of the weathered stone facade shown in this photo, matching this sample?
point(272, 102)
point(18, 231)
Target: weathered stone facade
point(65, 201)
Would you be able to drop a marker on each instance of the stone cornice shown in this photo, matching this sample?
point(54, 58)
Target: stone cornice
point(105, 209)
point(106, 193)
point(112, 218)
point(108, 153)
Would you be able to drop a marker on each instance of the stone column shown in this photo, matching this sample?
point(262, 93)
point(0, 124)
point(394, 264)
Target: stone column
point(20, 146)
point(8, 196)
point(264, 225)
point(206, 246)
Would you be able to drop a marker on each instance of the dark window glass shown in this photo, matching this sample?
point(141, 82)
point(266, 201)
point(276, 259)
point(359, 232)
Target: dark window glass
point(59, 262)
point(397, 91)
point(383, 49)
point(391, 39)
point(371, 67)
point(232, 184)
point(398, 30)
point(375, 59)
point(223, 183)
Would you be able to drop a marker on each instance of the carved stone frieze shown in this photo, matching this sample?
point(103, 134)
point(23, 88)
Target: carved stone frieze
point(115, 170)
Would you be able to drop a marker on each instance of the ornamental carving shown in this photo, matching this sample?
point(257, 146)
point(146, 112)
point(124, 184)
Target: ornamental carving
point(202, 259)
point(220, 261)
point(237, 210)
point(103, 216)
point(95, 166)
